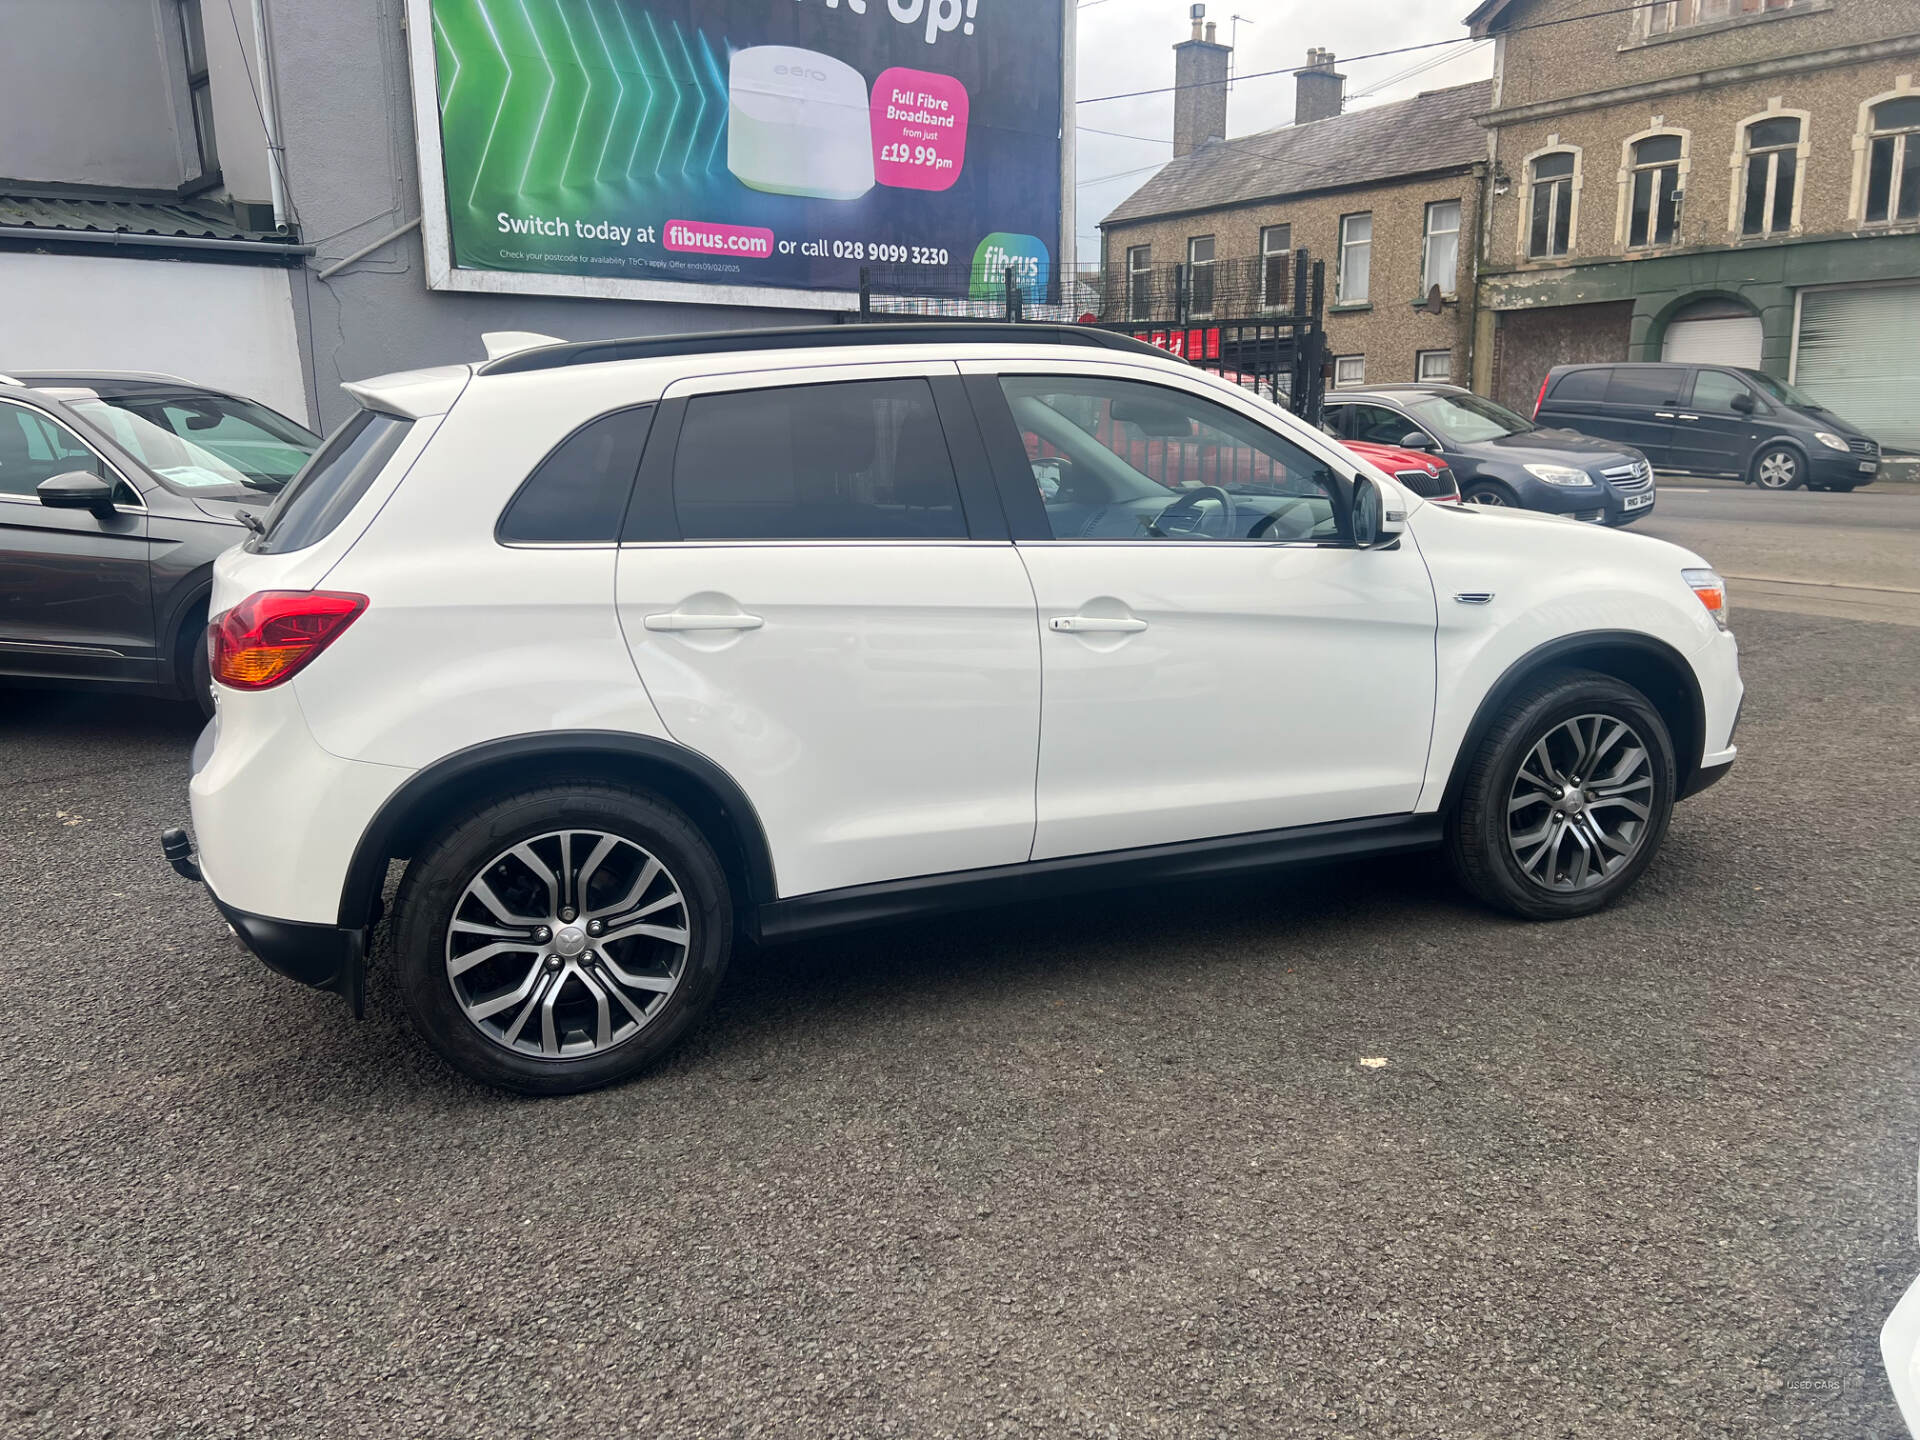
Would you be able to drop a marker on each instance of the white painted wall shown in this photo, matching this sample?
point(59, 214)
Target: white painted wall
point(229, 326)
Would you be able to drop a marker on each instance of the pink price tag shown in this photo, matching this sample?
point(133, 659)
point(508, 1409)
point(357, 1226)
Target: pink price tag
point(919, 130)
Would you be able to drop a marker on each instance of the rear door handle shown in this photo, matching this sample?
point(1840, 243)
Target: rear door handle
point(1095, 625)
point(679, 621)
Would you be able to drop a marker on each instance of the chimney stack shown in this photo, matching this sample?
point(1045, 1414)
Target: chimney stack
point(1319, 93)
point(1200, 75)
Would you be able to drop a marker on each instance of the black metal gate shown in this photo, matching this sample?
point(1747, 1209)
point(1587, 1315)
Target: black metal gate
point(1257, 323)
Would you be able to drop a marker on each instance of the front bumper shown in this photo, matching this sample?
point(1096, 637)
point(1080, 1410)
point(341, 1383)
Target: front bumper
point(1830, 467)
point(1597, 504)
point(327, 957)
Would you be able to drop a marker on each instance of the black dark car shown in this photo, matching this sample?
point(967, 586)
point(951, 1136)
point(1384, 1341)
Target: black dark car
point(1497, 457)
point(109, 527)
point(1712, 420)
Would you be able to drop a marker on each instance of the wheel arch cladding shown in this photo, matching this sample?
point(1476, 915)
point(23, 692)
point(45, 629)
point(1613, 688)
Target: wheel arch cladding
point(1651, 666)
point(468, 779)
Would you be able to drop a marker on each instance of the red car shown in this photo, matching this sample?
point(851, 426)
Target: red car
point(1426, 475)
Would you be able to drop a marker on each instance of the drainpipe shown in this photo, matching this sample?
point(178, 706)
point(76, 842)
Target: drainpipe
point(270, 112)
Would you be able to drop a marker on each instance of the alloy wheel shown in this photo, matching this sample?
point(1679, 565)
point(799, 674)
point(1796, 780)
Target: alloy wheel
point(1778, 470)
point(568, 944)
point(1488, 497)
point(1579, 808)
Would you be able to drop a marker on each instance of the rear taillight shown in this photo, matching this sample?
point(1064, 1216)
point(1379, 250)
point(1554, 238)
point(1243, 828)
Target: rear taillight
point(1541, 398)
point(272, 636)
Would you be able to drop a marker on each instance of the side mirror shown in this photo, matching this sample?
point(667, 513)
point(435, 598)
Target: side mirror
point(77, 490)
point(1416, 440)
point(1378, 522)
point(1744, 404)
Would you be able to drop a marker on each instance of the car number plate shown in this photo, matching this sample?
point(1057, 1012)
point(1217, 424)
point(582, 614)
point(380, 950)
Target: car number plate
point(1639, 502)
point(1868, 467)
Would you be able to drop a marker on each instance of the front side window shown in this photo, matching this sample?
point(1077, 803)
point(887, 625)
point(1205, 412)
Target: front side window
point(1715, 390)
point(577, 495)
point(1653, 216)
point(1276, 267)
point(1893, 162)
point(1441, 259)
point(1772, 176)
point(33, 449)
point(1140, 282)
point(1550, 228)
point(1350, 370)
point(863, 460)
point(1356, 259)
point(1379, 424)
point(1200, 275)
point(1127, 460)
point(1434, 365)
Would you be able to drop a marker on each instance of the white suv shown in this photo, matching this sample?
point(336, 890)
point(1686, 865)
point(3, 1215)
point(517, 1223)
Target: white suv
point(627, 648)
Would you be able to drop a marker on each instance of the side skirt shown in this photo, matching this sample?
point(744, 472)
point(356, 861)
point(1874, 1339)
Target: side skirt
point(893, 900)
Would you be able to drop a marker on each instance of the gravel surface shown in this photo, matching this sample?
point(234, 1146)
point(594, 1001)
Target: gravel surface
point(1106, 1169)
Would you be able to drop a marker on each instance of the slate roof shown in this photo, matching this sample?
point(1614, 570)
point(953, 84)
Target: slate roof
point(161, 216)
point(1434, 131)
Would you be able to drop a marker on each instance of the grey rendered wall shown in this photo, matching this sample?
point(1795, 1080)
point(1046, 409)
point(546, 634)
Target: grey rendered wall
point(346, 111)
point(93, 92)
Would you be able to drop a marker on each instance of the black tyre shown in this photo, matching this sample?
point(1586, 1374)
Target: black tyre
point(193, 664)
point(562, 939)
point(1779, 467)
point(1490, 492)
point(1566, 799)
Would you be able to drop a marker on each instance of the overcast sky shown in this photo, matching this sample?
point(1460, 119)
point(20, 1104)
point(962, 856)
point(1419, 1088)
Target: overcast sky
point(1128, 45)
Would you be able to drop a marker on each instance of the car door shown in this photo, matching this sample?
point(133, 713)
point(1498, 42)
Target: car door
point(1217, 659)
point(819, 592)
point(1639, 409)
point(74, 591)
point(1709, 435)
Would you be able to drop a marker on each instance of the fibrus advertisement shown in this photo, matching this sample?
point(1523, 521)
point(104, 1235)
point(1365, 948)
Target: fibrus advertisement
point(771, 144)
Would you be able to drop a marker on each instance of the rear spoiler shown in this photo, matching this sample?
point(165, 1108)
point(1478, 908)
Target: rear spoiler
point(412, 394)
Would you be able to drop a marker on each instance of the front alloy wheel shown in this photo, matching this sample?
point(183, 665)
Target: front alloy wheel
point(1577, 813)
point(1778, 469)
point(1489, 495)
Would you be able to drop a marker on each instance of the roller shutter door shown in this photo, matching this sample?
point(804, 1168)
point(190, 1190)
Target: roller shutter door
point(1731, 341)
point(1857, 356)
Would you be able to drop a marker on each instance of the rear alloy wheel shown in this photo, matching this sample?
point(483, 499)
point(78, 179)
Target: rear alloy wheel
point(563, 939)
point(1484, 492)
point(1567, 798)
point(1779, 467)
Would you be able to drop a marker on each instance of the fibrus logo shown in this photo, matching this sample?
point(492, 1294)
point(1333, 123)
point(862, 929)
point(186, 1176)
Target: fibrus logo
point(704, 237)
point(1026, 256)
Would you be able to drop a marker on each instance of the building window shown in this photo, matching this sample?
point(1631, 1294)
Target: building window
point(1893, 161)
point(1550, 228)
point(1349, 370)
point(1667, 16)
point(1653, 191)
point(1440, 263)
point(1356, 259)
point(1140, 282)
point(1772, 175)
point(1200, 275)
point(1276, 267)
point(1435, 366)
point(193, 39)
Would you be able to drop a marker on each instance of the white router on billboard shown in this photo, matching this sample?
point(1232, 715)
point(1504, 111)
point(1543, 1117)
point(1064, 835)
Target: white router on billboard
point(799, 123)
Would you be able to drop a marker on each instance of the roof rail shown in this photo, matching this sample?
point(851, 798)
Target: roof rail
point(815, 337)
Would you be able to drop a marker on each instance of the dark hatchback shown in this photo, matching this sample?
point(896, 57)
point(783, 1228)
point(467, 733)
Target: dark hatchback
point(111, 516)
point(1498, 457)
point(1712, 420)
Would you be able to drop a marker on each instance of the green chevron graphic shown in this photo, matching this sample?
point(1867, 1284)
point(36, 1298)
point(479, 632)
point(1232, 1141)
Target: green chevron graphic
point(550, 100)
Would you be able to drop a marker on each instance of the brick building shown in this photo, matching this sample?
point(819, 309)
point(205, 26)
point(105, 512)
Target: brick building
point(1736, 180)
point(1388, 197)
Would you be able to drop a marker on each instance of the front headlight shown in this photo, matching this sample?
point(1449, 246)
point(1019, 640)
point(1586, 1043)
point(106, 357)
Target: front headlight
point(1558, 474)
point(1711, 591)
point(1832, 442)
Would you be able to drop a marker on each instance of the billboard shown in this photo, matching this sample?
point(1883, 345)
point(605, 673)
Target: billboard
point(742, 151)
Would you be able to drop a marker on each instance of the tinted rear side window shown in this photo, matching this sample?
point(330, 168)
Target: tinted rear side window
point(1580, 385)
point(319, 497)
point(1644, 385)
point(866, 460)
point(577, 495)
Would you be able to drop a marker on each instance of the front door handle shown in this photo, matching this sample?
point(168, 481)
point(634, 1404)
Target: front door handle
point(1689, 417)
point(1095, 625)
point(1663, 415)
point(679, 621)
